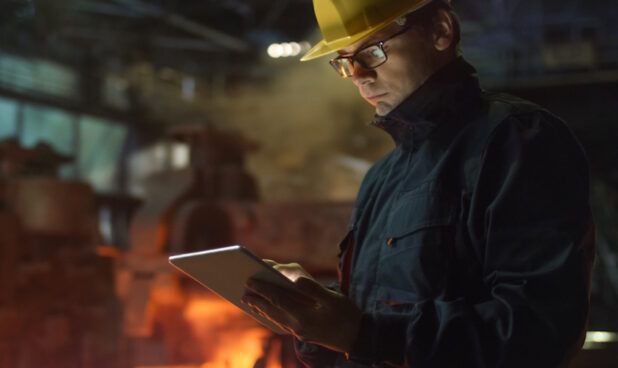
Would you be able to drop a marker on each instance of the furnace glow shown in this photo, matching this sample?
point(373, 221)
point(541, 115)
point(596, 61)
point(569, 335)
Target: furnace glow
point(232, 338)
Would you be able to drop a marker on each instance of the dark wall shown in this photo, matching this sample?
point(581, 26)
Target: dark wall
point(592, 112)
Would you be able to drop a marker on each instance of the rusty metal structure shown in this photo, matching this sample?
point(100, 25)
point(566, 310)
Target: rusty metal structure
point(211, 203)
point(57, 301)
point(85, 305)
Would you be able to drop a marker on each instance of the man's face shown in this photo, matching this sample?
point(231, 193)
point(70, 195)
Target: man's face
point(411, 60)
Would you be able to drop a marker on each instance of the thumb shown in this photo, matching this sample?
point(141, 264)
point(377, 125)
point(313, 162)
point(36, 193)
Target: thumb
point(309, 286)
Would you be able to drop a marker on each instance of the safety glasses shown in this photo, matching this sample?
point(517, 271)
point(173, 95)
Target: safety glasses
point(368, 57)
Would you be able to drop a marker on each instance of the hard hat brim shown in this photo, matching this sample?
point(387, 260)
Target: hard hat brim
point(323, 47)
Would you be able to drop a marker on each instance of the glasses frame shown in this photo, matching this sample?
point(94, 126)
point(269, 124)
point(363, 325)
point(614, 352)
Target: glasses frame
point(354, 57)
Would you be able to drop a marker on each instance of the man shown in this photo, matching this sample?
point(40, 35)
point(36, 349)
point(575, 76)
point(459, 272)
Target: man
point(470, 242)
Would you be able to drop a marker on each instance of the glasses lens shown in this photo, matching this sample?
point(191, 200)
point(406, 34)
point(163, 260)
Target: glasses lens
point(371, 57)
point(343, 66)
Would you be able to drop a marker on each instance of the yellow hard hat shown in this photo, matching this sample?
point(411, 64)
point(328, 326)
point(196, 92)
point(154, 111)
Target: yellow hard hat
point(345, 22)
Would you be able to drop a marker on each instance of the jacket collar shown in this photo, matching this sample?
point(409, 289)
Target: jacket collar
point(443, 97)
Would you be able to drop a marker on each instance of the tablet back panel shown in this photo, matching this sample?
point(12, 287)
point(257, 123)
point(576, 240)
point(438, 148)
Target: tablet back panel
point(226, 270)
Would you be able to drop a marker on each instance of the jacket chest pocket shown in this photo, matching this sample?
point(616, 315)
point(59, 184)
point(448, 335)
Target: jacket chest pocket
point(419, 236)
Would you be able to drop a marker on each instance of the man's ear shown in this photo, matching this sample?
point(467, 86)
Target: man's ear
point(443, 30)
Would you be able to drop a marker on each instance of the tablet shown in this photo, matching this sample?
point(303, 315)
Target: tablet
point(225, 271)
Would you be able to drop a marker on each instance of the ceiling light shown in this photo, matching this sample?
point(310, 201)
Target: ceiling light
point(287, 49)
point(275, 51)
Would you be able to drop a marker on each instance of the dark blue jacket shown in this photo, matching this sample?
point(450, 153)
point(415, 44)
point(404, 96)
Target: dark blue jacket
point(471, 242)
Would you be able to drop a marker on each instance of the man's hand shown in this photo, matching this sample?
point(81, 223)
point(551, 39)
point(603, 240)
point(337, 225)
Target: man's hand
point(312, 314)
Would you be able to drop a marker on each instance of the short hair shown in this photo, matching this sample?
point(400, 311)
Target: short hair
point(423, 19)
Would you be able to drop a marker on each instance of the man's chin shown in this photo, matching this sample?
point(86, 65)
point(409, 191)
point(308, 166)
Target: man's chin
point(382, 109)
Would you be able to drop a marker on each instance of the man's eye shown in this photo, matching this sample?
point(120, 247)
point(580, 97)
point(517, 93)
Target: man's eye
point(369, 53)
point(373, 53)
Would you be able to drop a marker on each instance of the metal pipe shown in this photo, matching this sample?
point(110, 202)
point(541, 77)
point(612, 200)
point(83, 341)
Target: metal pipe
point(216, 36)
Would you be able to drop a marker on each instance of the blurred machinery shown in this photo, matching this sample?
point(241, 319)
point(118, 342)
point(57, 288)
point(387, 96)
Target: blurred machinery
point(57, 302)
point(213, 202)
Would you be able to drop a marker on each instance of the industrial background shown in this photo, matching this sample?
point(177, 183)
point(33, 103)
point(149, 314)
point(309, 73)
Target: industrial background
point(132, 129)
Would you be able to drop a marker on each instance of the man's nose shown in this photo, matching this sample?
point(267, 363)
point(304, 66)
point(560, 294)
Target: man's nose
point(363, 76)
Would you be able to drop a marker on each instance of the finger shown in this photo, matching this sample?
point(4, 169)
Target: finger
point(288, 270)
point(284, 298)
point(253, 309)
point(270, 312)
point(263, 287)
point(290, 274)
point(311, 287)
point(292, 271)
point(262, 306)
point(248, 293)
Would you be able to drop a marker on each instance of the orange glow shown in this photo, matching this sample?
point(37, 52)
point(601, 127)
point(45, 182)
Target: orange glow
point(105, 251)
point(231, 338)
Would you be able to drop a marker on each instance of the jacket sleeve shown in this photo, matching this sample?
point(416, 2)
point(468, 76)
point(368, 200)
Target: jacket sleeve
point(530, 230)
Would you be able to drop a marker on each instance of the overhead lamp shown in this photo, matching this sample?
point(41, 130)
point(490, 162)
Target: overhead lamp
point(275, 51)
point(287, 49)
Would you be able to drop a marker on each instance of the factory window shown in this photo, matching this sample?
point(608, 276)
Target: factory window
point(8, 118)
point(38, 76)
point(95, 144)
point(45, 125)
point(100, 148)
point(50, 126)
